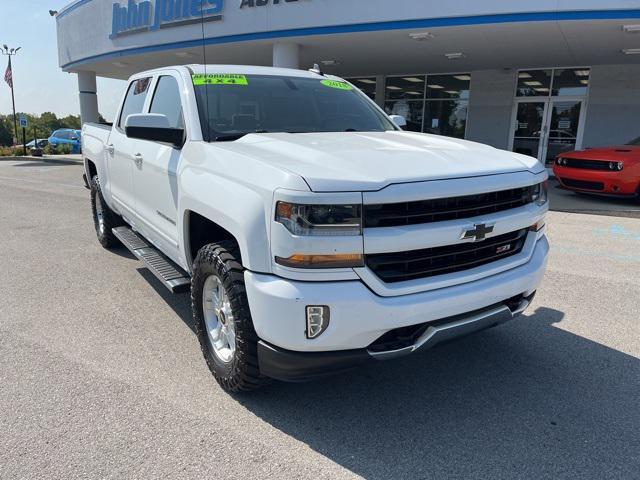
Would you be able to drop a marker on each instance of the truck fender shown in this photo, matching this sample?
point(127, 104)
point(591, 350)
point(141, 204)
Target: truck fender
point(236, 208)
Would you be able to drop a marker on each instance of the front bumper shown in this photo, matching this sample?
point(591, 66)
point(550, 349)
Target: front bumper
point(291, 366)
point(613, 183)
point(359, 317)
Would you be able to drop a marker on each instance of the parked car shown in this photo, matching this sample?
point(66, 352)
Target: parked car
point(609, 170)
point(35, 147)
point(313, 233)
point(39, 143)
point(67, 136)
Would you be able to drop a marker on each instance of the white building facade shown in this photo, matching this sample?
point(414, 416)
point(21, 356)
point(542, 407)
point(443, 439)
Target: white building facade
point(535, 77)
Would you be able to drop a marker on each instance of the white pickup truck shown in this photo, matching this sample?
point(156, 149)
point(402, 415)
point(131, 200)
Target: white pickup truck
point(313, 233)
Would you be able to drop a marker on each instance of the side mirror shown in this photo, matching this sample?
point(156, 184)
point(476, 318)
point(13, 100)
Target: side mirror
point(399, 120)
point(155, 128)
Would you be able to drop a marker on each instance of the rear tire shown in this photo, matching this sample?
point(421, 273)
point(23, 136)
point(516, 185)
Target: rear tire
point(104, 219)
point(222, 318)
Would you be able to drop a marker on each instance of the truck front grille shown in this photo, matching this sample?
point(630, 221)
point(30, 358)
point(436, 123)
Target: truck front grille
point(442, 209)
point(429, 262)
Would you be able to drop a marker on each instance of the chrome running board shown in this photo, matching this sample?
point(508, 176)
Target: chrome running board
point(170, 274)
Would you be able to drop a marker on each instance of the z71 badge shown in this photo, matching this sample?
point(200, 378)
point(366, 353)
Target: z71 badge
point(503, 249)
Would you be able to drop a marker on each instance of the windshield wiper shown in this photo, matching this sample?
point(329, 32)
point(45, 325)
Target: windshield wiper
point(236, 136)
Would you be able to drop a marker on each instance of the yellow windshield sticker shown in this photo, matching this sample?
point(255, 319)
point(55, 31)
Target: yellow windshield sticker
point(219, 79)
point(337, 84)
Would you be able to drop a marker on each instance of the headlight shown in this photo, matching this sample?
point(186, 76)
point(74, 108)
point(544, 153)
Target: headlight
point(616, 166)
point(540, 193)
point(320, 219)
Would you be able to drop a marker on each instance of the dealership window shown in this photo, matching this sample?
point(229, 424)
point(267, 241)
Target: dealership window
point(570, 81)
point(549, 111)
point(553, 82)
point(534, 83)
point(366, 84)
point(405, 88)
point(432, 104)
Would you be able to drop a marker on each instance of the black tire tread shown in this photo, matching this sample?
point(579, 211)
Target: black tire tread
point(111, 219)
point(224, 256)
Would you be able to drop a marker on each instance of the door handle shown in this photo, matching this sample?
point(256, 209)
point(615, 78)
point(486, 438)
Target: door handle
point(111, 149)
point(137, 158)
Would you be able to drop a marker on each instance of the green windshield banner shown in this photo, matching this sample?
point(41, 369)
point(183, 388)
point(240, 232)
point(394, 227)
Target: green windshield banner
point(336, 84)
point(219, 79)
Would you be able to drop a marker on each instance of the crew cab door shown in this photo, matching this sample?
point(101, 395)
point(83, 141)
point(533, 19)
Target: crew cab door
point(120, 150)
point(154, 171)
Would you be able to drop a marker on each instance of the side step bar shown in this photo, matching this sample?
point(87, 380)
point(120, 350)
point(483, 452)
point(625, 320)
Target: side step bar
point(170, 274)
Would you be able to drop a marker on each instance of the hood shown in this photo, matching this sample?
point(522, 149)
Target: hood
point(366, 161)
point(616, 153)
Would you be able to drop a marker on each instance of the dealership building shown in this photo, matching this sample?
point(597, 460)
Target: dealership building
point(534, 77)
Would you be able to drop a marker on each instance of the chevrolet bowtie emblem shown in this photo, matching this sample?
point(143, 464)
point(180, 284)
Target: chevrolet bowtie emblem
point(479, 232)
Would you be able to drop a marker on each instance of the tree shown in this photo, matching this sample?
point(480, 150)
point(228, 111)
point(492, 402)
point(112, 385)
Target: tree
point(6, 130)
point(48, 122)
point(44, 125)
point(71, 121)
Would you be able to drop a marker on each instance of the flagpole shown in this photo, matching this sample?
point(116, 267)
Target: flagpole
point(13, 102)
point(10, 52)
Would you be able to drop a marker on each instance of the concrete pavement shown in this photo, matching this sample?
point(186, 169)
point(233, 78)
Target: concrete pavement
point(101, 375)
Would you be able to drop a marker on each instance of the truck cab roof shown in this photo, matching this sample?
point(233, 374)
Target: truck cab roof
point(201, 69)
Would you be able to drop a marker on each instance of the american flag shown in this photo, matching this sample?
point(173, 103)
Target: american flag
point(8, 75)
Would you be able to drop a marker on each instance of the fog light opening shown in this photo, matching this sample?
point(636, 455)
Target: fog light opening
point(318, 317)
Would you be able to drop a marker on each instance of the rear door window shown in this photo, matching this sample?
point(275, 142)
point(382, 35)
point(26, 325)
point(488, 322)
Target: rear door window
point(134, 101)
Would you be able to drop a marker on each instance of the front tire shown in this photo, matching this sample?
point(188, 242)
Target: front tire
point(104, 219)
point(222, 318)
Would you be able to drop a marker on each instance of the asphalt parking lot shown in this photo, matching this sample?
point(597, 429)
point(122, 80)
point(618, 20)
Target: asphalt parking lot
point(568, 201)
point(101, 375)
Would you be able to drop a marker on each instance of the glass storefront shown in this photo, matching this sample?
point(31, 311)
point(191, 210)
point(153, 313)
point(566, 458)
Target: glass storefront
point(367, 85)
point(549, 110)
point(435, 104)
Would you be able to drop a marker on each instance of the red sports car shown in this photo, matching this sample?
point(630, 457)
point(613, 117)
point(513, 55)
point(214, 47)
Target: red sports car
point(610, 171)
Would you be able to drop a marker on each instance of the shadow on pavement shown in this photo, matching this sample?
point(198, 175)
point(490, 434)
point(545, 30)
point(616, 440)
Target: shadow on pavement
point(181, 304)
point(47, 163)
point(562, 200)
point(526, 400)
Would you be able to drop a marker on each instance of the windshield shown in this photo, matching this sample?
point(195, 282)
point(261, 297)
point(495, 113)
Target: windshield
point(635, 142)
point(231, 106)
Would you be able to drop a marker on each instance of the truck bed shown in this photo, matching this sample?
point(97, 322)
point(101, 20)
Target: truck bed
point(95, 137)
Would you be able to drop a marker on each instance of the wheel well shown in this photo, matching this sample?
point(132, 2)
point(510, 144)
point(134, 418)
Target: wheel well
point(93, 171)
point(203, 231)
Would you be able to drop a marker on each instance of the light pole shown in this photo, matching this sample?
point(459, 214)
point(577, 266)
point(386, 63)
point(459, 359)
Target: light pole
point(10, 52)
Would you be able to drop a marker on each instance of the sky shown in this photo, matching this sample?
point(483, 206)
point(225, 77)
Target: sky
point(39, 83)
